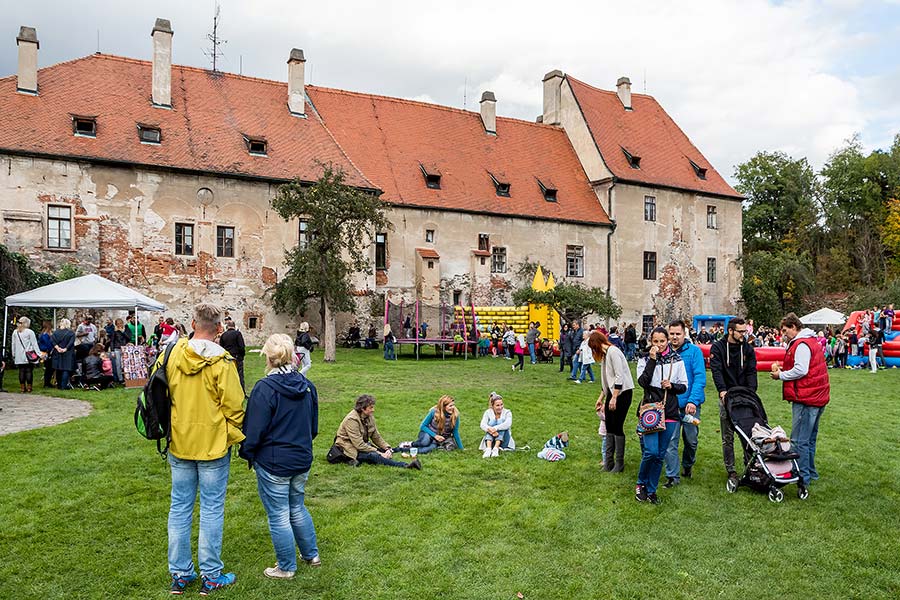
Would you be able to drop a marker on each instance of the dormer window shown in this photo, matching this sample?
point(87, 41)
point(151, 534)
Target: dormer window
point(257, 146)
point(633, 161)
point(501, 187)
point(432, 177)
point(700, 171)
point(149, 134)
point(84, 126)
point(549, 191)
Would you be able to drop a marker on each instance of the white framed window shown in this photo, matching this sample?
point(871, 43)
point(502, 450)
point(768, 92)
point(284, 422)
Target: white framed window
point(184, 239)
point(574, 261)
point(429, 236)
point(498, 259)
point(650, 208)
point(712, 217)
point(59, 226)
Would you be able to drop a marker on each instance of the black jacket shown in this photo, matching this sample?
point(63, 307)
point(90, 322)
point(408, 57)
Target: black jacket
point(573, 340)
point(732, 365)
point(233, 342)
point(281, 422)
point(93, 367)
point(303, 340)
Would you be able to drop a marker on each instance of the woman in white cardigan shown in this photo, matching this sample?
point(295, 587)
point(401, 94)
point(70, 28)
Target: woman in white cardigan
point(497, 426)
point(618, 386)
point(23, 342)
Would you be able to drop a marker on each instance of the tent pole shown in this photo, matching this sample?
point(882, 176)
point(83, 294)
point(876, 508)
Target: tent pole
point(54, 318)
point(5, 322)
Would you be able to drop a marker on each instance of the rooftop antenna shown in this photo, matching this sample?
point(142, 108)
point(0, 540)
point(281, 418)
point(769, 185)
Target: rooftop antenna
point(213, 53)
point(241, 64)
point(645, 80)
point(98, 41)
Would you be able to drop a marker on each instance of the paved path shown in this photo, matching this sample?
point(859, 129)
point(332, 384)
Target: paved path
point(31, 411)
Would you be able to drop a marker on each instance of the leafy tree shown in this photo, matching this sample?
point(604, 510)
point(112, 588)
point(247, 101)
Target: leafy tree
point(17, 276)
point(342, 222)
point(857, 189)
point(571, 300)
point(774, 284)
point(781, 207)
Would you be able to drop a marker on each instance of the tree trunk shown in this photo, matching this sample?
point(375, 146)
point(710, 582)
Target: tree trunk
point(329, 334)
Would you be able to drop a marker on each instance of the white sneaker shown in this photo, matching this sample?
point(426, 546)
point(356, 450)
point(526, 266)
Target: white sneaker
point(315, 561)
point(487, 453)
point(276, 573)
point(495, 452)
point(578, 381)
point(514, 367)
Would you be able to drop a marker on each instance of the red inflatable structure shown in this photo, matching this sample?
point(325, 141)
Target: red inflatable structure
point(766, 356)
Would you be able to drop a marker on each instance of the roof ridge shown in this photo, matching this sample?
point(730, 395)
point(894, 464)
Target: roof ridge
point(613, 92)
point(424, 104)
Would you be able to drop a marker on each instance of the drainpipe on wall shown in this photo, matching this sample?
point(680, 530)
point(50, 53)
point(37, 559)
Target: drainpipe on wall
point(609, 237)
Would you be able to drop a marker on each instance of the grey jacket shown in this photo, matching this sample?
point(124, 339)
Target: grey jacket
point(616, 372)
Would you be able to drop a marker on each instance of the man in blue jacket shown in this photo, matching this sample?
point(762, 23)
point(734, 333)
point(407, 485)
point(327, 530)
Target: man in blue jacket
point(688, 403)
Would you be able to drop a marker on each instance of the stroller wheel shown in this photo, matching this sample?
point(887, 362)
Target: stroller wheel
point(731, 485)
point(775, 495)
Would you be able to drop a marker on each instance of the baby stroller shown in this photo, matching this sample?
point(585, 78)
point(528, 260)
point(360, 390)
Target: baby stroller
point(769, 464)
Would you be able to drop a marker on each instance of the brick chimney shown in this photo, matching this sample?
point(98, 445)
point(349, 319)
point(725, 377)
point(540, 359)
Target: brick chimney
point(162, 63)
point(297, 83)
point(552, 84)
point(623, 89)
point(28, 50)
point(489, 112)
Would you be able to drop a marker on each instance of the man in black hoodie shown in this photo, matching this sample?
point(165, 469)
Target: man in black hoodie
point(733, 363)
point(233, 342)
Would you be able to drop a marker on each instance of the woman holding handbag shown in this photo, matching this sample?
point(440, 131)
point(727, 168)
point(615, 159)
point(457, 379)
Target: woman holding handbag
point(662, 377)
point(26, 353)
point(615, 400)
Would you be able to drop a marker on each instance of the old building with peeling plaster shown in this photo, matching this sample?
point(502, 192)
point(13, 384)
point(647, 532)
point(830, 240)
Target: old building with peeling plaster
point(160, 177)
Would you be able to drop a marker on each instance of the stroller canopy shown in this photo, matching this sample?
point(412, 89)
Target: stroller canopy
point(744, 408)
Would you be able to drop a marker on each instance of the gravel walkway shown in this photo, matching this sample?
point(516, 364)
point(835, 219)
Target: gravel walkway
point(31, 411)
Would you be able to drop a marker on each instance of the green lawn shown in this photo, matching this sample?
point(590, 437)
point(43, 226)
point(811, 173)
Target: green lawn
point(83, 505)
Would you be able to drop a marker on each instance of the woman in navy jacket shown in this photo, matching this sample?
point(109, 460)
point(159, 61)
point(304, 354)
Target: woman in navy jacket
point(281, 422)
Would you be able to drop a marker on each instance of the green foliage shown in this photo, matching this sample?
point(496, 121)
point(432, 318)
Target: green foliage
point(867, 297)
point(342, 223)
point(524, 271)
point(571, 300)
point(17, 276)
point(774, 284)
point(69, 271)
point(90, 498)
point(781, 205)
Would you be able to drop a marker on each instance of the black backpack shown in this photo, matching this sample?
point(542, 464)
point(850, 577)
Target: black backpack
point(153, 415)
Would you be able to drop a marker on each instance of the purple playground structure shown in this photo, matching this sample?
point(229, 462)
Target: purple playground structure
point(423, 324)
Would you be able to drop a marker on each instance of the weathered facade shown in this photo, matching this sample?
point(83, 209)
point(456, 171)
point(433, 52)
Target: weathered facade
point(160, 177)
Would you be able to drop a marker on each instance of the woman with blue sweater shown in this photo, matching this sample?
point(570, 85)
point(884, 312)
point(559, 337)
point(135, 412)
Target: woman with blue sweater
point(281, 422)
point(437, 428)
point(662, 377)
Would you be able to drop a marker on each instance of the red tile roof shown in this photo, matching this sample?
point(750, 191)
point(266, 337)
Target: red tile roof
point(390, 140)
point(202, 132)
point(649, 132)
point(428, 253)
point(481, 252)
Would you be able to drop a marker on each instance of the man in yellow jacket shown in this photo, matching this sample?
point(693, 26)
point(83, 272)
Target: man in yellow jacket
point(207, 414)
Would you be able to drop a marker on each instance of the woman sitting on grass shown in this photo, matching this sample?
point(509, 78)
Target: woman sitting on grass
point(663, 377)
point(281, 422)
point(497, 426)
point(439, 428)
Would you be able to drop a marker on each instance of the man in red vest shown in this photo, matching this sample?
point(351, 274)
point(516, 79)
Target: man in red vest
point(805, 384)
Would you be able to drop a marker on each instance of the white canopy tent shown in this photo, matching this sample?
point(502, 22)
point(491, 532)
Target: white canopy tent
point(89, 291)
point(824, 316)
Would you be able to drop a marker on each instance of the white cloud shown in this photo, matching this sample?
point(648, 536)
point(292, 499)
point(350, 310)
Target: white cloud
point(737, 75)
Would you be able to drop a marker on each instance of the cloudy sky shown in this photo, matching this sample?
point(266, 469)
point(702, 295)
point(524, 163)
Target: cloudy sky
point(738, 75)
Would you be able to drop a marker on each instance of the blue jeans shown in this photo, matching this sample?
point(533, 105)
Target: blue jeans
point(531, 352)
point(654, 447)
point(374, 458)
point(289, 521)
point(211, 477)
point(576, 366)
point(630, 349)
point(389, 351)
point(425, 443)
point(62, 379)
point(804, 431)
point(586, 370)
point(691, 434)
point(503, 435)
